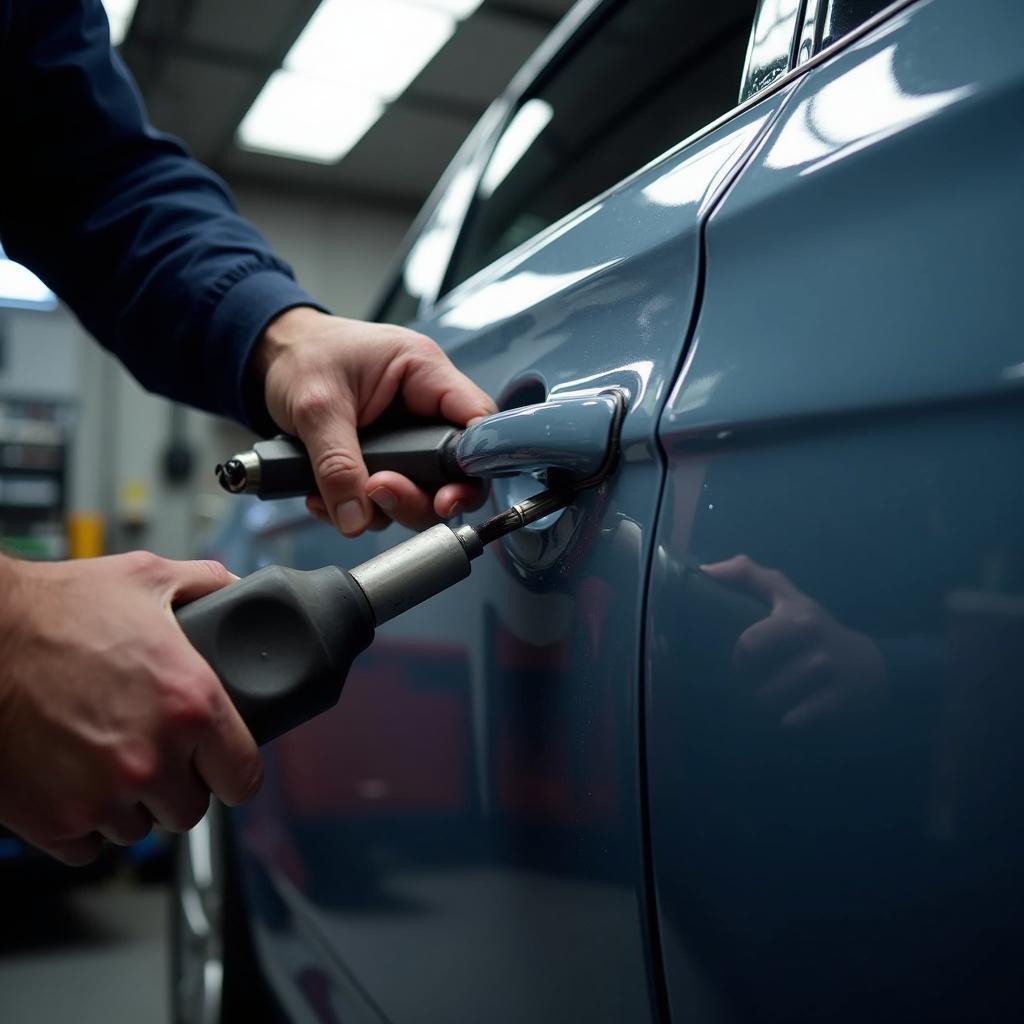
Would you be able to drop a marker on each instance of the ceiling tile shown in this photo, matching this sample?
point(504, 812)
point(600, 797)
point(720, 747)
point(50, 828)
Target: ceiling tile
point(553, 9)
point(480, 59)
point(200, 102)
point(243, 26)
point(399, 160)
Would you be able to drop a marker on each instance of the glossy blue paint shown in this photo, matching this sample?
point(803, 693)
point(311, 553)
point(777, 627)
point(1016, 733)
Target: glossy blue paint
point(463, 833)
point(568, 434)
point(834, 721)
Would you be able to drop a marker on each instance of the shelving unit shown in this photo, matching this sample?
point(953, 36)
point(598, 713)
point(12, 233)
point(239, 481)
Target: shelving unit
point(33, 477)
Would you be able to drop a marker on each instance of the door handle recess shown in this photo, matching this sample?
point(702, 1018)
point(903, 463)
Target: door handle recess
point(573, 435)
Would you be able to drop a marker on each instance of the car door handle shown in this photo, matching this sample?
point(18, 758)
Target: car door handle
point(571, 435)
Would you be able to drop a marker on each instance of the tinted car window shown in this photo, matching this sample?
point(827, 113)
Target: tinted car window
point(650, 74)
point(842, 16)
point(401, 306)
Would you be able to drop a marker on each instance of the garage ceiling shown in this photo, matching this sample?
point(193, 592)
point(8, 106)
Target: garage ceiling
point(201, 63)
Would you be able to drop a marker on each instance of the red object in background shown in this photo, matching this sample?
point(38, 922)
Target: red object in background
point(544, 772)
point(392, 744)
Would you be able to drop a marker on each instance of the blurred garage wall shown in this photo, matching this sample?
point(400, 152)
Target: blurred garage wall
point(203, 68)
point(340, 252)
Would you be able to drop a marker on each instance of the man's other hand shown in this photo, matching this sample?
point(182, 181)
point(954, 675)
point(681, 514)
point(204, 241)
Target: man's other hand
point(109, 719)
point(325, 377)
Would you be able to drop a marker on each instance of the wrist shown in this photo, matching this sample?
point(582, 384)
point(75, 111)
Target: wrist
point(285, 331)
point(12, 584)
point(278, 337)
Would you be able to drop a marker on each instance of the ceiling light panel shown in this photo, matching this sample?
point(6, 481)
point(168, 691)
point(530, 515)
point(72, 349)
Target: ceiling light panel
point(460, 8)
point(19, 287)
point(308, 118)
point(119, 14)
point(376, 46)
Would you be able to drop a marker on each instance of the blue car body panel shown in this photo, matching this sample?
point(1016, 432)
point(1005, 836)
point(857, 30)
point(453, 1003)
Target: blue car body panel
point(467, 822)
point(557, 791)
point(836, 820)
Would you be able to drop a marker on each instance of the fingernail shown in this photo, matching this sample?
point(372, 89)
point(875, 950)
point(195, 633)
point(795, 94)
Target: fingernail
point(456, 510)
point(384, 499)
point(350, 516)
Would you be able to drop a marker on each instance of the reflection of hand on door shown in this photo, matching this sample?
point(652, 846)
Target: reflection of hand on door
point(802, 664)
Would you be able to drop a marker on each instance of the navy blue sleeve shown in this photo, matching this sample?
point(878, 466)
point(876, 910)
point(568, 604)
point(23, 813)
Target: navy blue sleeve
point(140, 240)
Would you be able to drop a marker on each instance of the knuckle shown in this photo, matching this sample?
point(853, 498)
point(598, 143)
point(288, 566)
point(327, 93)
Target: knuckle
point(134, 770)
point(425, 346)
point(805, 623)
point(145, 563)
point(336, 466)
point(188, 703)
point(742, 564)
point(312, 406)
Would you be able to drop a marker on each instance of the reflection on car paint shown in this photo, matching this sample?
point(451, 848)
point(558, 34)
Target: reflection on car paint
point(835, 778)
point(539, 860)
point(853, 111)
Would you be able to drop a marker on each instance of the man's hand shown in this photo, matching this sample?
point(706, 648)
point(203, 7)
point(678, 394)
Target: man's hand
point(109, 719)
point(803, 665)
point(324, 377)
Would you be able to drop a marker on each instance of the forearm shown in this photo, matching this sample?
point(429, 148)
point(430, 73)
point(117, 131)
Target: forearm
point(143, 243)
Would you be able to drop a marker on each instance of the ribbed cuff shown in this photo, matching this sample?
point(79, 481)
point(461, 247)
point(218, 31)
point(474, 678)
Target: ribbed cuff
point(238, 322)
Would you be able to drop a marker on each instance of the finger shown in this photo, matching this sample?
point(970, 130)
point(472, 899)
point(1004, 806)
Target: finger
point(743, 572)
point(127, 825)
point(432, 386)
point(227, 758)
point(75, 852)
point(179, 800)
point(764, 646)
point(816, 707)
point(793, 682)
point(316, 508)
point(188, 581)
point(401, 500)
point(454, 499)
point(337, 461)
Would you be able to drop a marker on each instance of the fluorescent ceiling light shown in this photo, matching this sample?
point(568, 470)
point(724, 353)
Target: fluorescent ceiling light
point(119, 14)
point(530, 120)
point(309, 118)
point(20, 287)
point(378, 46)
point(350, 60)
point(460, 8)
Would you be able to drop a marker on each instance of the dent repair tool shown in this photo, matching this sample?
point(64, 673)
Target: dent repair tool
point(283, 641)
point(280, 467)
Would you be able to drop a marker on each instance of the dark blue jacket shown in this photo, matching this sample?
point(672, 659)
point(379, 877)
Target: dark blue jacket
point(142, 242)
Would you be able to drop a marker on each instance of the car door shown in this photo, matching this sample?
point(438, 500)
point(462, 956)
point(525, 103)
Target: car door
point(463, 838)
point(834, 704)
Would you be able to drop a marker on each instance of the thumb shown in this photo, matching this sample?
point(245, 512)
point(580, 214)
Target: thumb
point(190, 581)
point(340, 473)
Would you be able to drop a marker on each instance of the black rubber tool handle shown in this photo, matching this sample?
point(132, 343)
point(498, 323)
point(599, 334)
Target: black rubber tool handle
point(425, 453)
point(282, 642)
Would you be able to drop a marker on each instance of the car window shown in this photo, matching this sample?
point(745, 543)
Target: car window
point(842, 16)
point(400, 306)
point(647, 76)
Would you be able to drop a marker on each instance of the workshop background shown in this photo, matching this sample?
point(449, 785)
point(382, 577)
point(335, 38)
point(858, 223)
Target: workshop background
point(332, 165)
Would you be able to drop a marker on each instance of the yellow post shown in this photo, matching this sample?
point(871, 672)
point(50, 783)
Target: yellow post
point(85, 535)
